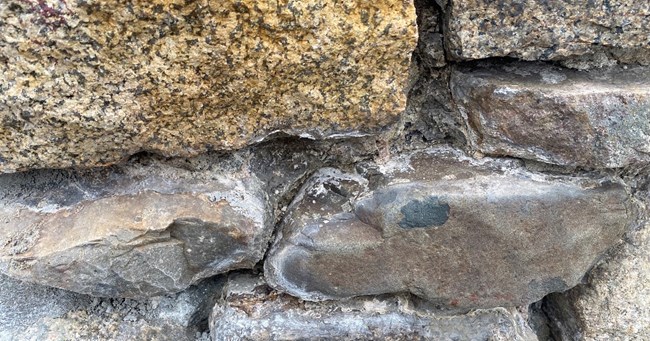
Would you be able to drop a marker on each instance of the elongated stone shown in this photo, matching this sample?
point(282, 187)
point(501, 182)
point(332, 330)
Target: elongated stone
point(137, 230)
point(460, 233)
point(549, 30)
point(590, 119)
point(250, 311)
point(88, 83)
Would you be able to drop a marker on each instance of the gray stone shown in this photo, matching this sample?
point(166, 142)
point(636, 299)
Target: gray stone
point(430, 51)
point(430, 115)
point(251, 311)
point(549, 30)
point(458, 232)
point(21, 304)
point(34, 312)
point(145, 228)
point(613, 304)
point(531, 110)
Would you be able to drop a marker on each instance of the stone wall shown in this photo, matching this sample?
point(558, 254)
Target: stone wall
point(322, 169)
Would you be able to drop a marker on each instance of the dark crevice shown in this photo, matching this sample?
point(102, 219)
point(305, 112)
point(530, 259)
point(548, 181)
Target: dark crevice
point(538, 321)
point(562, 324)
point(286, 165)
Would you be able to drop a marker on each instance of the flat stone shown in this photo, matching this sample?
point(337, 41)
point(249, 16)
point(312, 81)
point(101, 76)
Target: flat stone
point(88, 83)
point(613, 305)
point(142, 229)
point(457, 232)
point(536, 111)
point(22, 304)
point(33, 312)
point(544, 30)
point(251, 311)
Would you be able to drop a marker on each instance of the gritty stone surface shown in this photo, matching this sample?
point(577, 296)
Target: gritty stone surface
point(555, 115)
point(457, 232)
point(549, 30)
point(430, 51)
point(89, 83)
point(145, 228)
point(24, 303)
point(431, 116)
point(252, 311)
point(33, 312)
point(613, 305)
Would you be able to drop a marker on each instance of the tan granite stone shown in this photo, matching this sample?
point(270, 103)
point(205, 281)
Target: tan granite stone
point(90, 82)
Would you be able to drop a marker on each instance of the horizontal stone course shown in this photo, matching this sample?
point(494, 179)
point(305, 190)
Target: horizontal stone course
point(462, 234)
point(594, 119)
point(249, 310)
point(549, 30)
point(137, 230)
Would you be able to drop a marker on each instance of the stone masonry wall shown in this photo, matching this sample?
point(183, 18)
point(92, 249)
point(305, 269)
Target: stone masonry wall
point(324, 169)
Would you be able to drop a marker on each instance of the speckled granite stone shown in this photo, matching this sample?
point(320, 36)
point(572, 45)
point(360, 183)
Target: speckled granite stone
point(90, 82)
point(549, 30)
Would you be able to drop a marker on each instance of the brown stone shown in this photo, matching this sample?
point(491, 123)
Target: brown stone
point(142, 229)
point(88, 83)
point(596, 118)
point(460, 233)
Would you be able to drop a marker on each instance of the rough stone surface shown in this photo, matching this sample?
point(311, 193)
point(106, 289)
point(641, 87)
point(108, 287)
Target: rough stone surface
point(90, 82)
point(33, 312)
point(549, 30)
point(555, 115)
point(430, 116)
point(430, 51)
point(460, 233)
point(613, 304)
point(251, 311)
point(145, 228)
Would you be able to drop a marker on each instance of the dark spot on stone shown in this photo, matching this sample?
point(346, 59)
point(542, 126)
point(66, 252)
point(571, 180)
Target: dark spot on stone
point(430, 212)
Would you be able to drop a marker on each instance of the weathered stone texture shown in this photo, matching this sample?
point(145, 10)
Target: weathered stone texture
point(614, 304)
point(549, 30)
point(90, 82)
point(460, 233)
point(142, 229)
point(596, 118)
point(32, 312)
point(251, 311)
point(430, 51)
